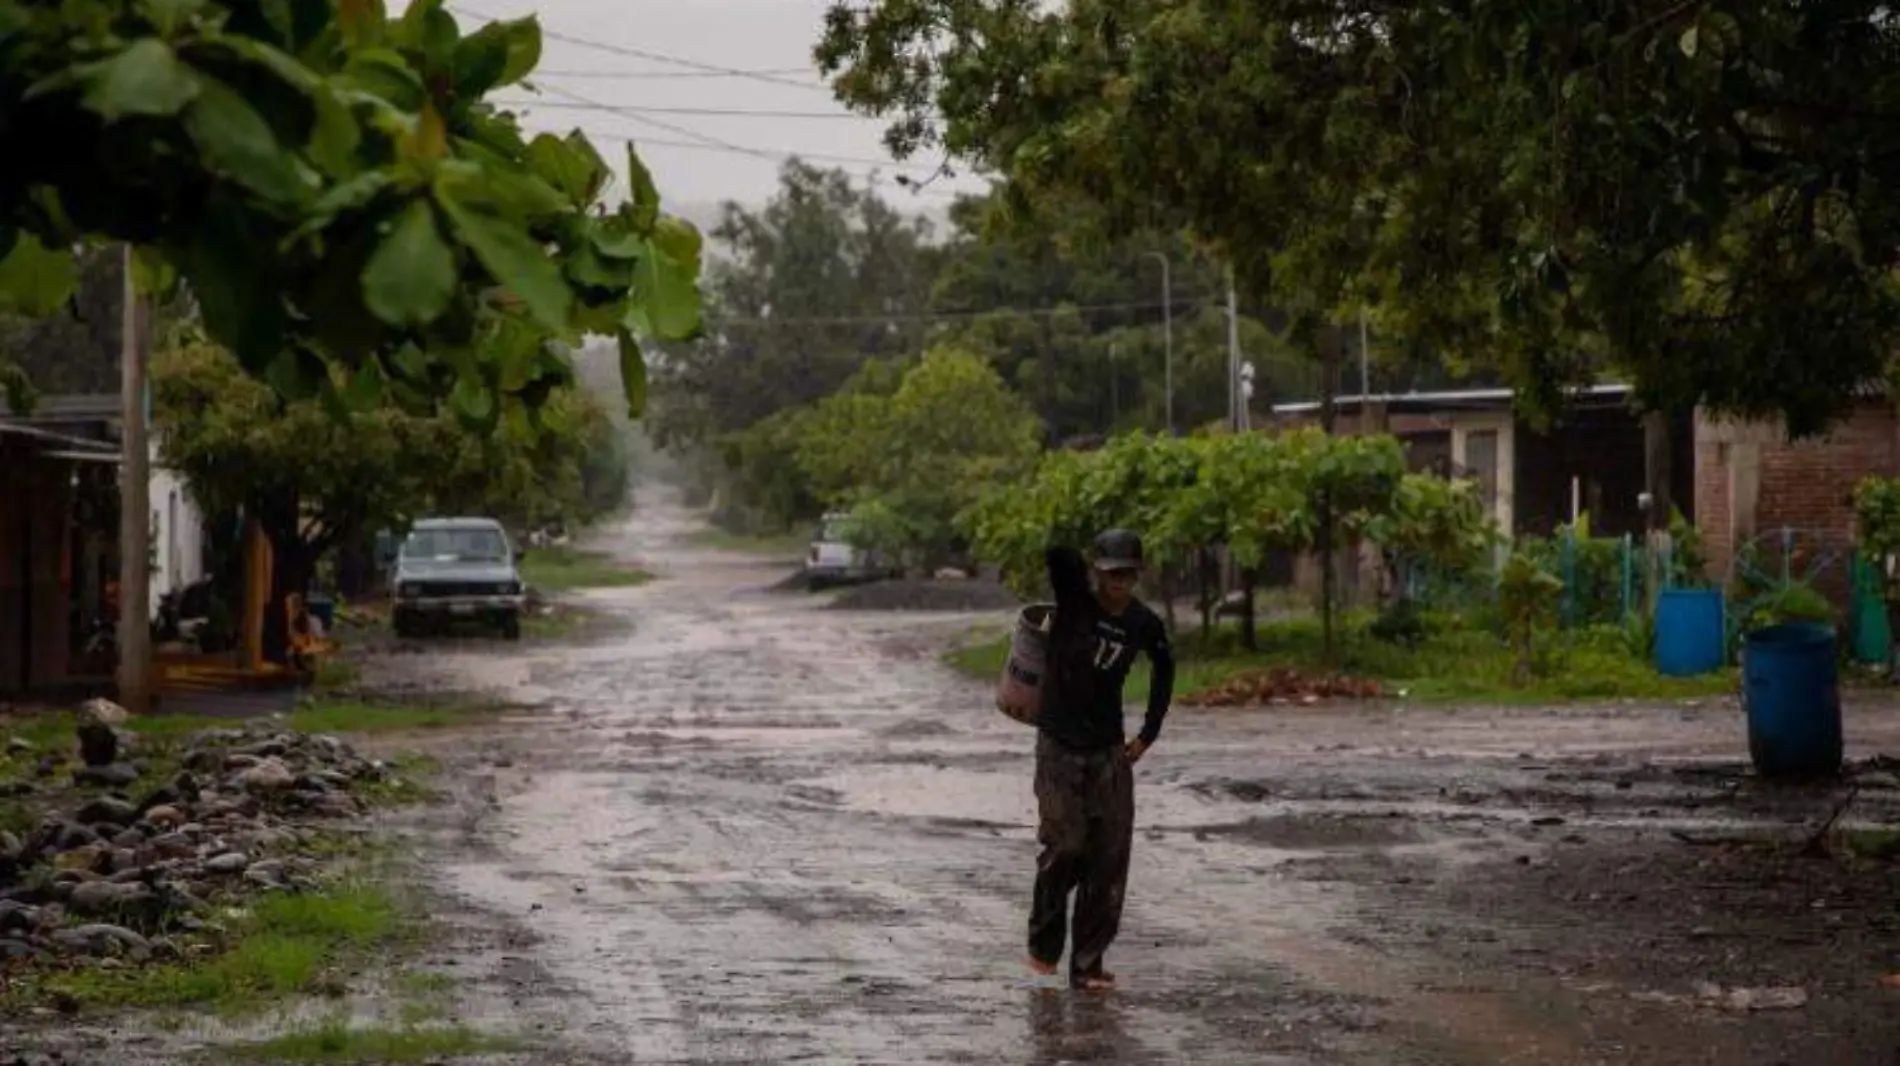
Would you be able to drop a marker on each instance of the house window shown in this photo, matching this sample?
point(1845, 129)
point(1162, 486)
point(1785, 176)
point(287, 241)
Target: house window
point(1481, 464)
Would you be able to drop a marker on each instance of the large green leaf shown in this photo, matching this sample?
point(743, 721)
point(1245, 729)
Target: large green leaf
point(515, 260)
point(574, 168)
point(238, 142)
point(643, 195)
point(146, 79)
point(519, 43)
point(384, 73)
point(411, 276)
point(479, 60)
point(633, 375)
point(36, 280)
point(680, 240)
point(474, 405)
point(665, 298)
point(362, 21)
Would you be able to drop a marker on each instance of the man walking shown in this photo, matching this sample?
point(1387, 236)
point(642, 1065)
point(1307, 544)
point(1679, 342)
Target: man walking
point(1085, 786)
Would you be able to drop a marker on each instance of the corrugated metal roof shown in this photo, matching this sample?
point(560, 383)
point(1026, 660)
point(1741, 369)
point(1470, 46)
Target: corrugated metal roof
point(1446, 398)
point(63, 440)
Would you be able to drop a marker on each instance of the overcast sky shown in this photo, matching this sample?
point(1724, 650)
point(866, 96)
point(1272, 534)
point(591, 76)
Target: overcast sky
point(698, 159)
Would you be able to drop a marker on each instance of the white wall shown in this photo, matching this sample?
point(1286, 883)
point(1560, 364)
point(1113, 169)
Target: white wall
point(178, 534)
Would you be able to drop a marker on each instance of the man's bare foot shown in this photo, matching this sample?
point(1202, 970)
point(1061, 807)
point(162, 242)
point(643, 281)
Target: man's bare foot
point(1046, 969)
point(1099, 981)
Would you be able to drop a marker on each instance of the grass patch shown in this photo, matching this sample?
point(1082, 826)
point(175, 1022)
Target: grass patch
point(365, 716)
point(336, 1041)
point(1452, 665)
point(559, 569)
point(282, 945)
point(335, 673)
point(787, 545)
point(409, 782)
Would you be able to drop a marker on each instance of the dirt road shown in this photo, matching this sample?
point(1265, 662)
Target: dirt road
point(751, 830)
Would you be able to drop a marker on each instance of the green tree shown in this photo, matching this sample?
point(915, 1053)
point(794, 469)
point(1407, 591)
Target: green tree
point(909, 463)
point(822, 279)
point(1699, 196)
point(316, 479)
point(343, 203)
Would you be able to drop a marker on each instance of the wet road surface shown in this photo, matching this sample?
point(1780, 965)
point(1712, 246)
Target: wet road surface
point(751, 830)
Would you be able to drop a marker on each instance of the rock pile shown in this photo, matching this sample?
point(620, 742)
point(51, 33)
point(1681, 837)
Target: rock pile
point(141, 849)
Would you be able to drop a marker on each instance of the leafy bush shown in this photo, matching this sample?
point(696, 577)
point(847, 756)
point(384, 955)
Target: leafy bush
point(1527, 596)
point(1877, 526)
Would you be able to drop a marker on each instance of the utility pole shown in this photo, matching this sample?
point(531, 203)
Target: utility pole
point(1167, 333)
point(1365, 376)
point(135, 507)
point(1233, 354)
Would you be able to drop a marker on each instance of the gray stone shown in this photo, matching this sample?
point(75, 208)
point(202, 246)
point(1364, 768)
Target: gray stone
point(103, 939)
point(10, 846)
point(268, 776)
point(68, 837)
point(16, 949)
point(124, 860)
point(128, 838)
point(17, 917)
point(228, 863)
point(19, 745)
point(108, 811)
point(104, 712)
point(269, 872)
point(100, 897)
point(111, 775)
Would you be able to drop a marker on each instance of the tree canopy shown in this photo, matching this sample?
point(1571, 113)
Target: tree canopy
point(342, 201)
point(1701, 197)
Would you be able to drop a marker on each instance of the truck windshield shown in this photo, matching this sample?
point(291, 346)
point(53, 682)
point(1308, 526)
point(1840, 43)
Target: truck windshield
point(483, 545)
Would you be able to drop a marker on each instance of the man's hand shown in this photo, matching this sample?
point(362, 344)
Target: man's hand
point(1135, 750)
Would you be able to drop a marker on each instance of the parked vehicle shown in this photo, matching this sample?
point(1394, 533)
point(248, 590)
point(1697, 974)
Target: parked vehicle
point(835, 559)
point(456, 570)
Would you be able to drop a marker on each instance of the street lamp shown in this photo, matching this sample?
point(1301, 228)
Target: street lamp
point(1167, 330)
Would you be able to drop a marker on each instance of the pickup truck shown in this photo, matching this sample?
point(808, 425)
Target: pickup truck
point(456, 569)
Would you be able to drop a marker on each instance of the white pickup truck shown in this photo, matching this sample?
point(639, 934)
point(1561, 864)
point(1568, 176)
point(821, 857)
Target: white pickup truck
point(835, 560)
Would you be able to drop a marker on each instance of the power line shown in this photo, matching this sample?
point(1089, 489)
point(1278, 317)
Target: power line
point(724, 112)
point(642, 75)
point(657, 57)
point(948, 316)
point(694, 146)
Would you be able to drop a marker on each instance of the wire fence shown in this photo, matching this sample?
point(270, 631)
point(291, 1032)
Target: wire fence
point(1786, 574)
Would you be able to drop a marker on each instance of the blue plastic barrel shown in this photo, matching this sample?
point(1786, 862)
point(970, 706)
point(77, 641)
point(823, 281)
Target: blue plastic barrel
point(1791, 691)
point(1690, 632)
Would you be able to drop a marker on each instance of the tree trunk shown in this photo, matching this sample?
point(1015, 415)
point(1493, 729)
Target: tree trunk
point(1658, 474)
point(1207, 583)
point(1328, 560)
point(1169, 585)
point(354, 567)
point(1249, 630)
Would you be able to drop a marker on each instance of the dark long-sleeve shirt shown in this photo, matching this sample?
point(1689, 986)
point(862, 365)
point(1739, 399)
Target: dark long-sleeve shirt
point(1090, 654)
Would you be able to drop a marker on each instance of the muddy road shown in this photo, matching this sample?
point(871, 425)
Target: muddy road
point(748, 829)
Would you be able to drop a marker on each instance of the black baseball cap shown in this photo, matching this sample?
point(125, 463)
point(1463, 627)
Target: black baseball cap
point(1118, 549)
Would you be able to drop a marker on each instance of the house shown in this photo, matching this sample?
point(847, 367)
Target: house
point(1758, 491)
point(1589, 461)
point(59, 496)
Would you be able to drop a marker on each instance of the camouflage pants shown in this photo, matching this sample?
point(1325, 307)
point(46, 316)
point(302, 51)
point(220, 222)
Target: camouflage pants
point(1086, 802)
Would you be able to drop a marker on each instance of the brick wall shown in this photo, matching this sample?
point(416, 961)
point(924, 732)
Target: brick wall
point(1750, 480)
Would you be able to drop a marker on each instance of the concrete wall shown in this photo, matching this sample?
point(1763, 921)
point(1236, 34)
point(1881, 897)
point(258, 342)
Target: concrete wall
point(178, 534)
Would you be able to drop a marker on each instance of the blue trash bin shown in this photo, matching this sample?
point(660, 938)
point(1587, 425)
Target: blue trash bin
point(1791, 693)
point(1690, 632)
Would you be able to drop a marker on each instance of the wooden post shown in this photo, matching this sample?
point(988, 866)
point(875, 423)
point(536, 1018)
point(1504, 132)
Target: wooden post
point(135, 508)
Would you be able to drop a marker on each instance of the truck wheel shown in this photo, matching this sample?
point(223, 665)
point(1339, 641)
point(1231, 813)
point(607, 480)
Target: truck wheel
point(404, 625)
point(511, 626)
